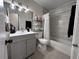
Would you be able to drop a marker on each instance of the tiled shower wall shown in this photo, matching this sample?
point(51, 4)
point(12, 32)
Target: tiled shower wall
point(59, 22)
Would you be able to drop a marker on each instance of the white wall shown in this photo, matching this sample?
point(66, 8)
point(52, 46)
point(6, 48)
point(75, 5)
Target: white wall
point(36, 8)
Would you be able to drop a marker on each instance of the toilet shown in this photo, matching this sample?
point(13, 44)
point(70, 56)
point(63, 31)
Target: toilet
point(42, 42)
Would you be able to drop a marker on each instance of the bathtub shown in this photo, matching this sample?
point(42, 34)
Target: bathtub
point(61, 46)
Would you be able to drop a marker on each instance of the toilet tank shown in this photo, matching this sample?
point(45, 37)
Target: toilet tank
point(39, 35)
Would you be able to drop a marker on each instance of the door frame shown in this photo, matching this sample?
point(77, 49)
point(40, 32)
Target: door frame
point(3, 33)
point(74, 49)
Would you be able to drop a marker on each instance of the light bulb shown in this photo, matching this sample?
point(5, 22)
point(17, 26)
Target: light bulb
point(12, 6)
point(26, 10)
point(20, 8)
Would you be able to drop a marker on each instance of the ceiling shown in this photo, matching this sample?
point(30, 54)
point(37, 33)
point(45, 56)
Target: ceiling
point(51, 4)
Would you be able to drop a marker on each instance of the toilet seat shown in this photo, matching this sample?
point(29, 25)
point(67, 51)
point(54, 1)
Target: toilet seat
point(43, 41)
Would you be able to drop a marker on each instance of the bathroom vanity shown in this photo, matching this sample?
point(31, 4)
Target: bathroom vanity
point(23, 45)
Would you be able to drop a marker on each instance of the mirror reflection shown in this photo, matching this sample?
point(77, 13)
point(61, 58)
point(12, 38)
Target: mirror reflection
point(23, 18)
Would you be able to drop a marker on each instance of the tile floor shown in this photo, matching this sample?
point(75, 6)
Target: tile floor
point(49, 54)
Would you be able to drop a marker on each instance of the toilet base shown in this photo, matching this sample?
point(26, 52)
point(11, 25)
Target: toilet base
point(42, 47)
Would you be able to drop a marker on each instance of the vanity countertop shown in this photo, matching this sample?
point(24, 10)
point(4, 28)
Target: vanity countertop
point(19, 33)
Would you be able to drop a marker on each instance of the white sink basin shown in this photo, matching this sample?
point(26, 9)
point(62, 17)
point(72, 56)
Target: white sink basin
point(18, 33)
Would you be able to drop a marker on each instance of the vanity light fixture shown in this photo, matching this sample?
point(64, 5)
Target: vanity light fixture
point(20, 7)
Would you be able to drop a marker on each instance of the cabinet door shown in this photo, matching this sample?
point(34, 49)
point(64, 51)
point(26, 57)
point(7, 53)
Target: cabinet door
point(31, 46)
point(18, 49)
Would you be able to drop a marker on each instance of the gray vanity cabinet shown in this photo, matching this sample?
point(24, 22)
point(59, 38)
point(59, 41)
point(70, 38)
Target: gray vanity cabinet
point(22, 46)
point(17, 48)
point(31, 45)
